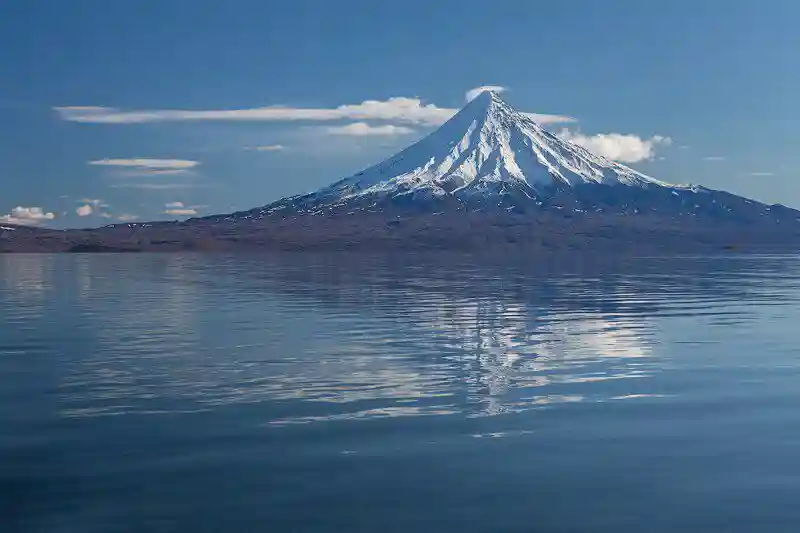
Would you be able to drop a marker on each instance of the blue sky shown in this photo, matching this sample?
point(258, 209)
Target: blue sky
point(123, 104)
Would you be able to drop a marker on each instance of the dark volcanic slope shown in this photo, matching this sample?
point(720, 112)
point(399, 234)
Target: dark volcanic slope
point(527, 233)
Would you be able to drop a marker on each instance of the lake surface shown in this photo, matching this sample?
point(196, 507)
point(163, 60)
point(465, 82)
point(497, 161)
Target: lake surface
point(311, 393)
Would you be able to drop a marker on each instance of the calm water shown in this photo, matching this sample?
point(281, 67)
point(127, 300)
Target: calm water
point(307, 393)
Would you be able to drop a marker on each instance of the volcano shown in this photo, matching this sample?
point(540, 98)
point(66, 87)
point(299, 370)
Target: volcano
point(487, 150)
point(490, 176)
point(491, 158)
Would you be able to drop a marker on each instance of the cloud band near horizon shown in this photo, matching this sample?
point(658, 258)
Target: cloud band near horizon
point(27, 216)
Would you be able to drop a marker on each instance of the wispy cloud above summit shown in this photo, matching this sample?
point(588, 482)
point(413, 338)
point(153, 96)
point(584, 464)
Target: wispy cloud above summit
point(473, 93)
point(398, 109)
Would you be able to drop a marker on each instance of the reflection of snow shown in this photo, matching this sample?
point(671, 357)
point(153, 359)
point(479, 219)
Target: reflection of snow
point(504, 348)
point(582, 335)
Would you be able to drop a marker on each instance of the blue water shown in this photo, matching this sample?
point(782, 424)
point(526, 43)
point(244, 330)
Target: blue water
point(311, 393)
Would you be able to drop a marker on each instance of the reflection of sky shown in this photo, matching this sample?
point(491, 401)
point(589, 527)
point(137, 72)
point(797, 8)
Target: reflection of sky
point(146, 333)
point(26, 280)
point(170, 333)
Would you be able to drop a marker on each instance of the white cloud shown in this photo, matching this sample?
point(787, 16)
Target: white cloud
point(146, 163)
point(714, 158)
point(94, 202)
point(473, 93)
point(543, 120)
point(27, 216)
point(155, 172)
point(624, 148)
point(127, 218)
point(395, 109)
point(267, 148)
point(84, 210)
point(362, 129)
point(179, 209)
point(762, 174)
point(155, 186)
point(137, 167)
point(181, 212)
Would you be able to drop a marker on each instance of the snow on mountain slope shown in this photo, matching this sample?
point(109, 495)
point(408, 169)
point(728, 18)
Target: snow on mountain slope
point(485, 145)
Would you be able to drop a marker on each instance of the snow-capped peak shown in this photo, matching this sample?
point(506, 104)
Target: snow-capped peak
point(485, 148)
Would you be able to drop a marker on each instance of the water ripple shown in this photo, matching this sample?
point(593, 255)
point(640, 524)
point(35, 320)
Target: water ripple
point(325, 341)
point(234, 393)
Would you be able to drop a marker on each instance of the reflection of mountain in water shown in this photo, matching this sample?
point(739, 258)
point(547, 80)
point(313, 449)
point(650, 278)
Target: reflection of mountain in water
point(376, 338)
point(502, 348)
point(505, 334)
